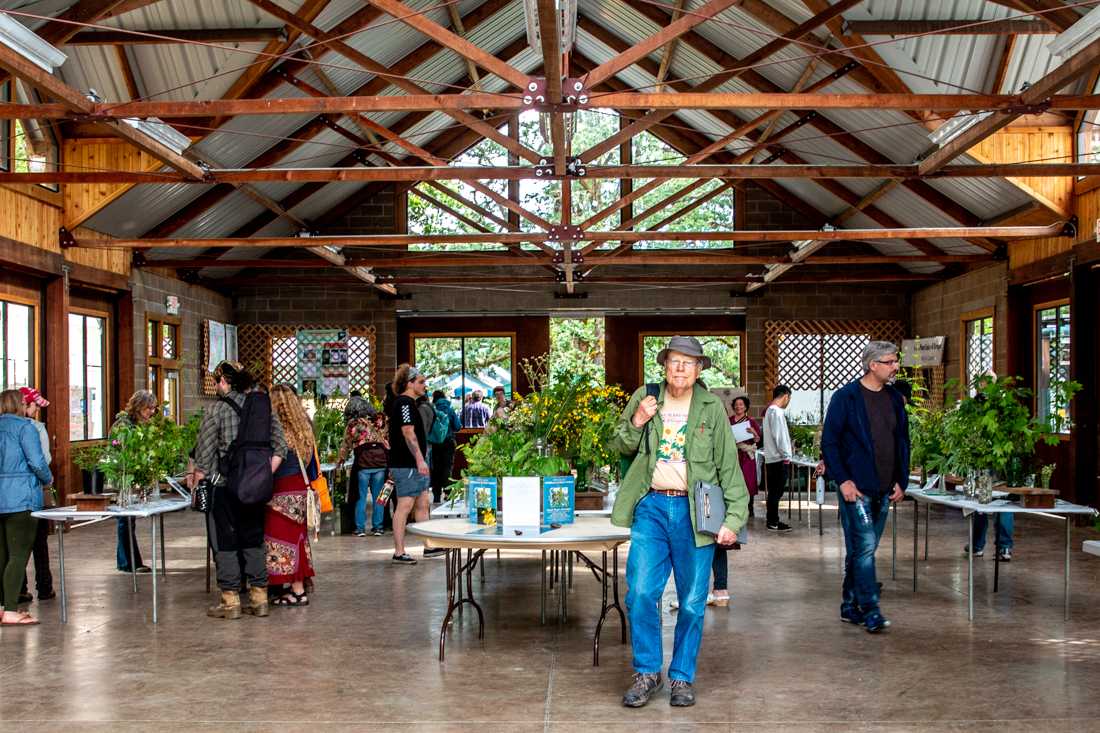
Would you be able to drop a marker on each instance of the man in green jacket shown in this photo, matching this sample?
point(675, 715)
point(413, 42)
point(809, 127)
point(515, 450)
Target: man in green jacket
point(677, 438)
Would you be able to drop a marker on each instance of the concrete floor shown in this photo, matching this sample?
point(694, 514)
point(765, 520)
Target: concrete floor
point(363, 655)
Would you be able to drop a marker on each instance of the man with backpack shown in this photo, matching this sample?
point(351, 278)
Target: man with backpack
point(441, 438)
point(240, 446)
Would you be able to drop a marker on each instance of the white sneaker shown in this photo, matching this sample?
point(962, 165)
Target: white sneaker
point(674, 604)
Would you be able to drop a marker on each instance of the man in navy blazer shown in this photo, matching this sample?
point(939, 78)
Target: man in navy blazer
point(865, 444)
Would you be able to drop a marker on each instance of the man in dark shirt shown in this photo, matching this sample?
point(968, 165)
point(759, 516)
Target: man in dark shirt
point(865, 444)
point(408, 459)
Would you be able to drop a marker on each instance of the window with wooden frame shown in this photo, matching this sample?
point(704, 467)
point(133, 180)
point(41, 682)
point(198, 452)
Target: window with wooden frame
point(465, 365)
point(18, 345)
point(88, 370)
point(726, 351)
point(1052, 360)
point(163, 363)
point(976, 337)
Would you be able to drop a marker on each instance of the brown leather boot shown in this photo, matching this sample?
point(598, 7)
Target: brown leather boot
point(230, 607)
point(257, 601)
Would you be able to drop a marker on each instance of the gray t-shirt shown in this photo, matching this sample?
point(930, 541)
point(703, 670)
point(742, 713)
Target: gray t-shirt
point(884, 423)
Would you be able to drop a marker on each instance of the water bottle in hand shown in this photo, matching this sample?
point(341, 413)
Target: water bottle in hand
point(861, 510)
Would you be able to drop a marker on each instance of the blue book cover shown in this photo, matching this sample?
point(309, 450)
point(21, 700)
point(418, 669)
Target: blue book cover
point(481, 500)
point(558, 499)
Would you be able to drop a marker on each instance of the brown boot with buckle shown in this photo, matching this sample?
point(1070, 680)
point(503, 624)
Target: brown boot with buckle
point(257, 601)
point(230, 607)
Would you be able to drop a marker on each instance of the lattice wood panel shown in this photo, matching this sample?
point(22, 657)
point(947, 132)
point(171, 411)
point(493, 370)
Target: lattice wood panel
point(270, 352)
point(795, 351)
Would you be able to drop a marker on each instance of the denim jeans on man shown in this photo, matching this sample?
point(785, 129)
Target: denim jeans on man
point(126, 531)
point(371, 481)
point(1004, 522)
point(861, 537)
point(662, 540)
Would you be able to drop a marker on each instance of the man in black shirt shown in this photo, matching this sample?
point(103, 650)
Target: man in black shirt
point(865, 443)
point(408, 459)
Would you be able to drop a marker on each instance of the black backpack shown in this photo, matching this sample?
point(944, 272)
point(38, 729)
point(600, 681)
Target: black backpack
point(247, 462)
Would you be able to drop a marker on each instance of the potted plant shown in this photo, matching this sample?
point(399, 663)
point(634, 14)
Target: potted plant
point(993, 433)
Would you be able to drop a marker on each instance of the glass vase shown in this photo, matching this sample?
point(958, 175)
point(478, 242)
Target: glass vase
point(124, 492)
point(984, 488)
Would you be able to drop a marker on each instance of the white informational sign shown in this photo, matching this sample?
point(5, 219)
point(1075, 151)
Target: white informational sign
point(231, 342)
point(522, 501)
point(741, 432)
point(172, 305)
point(924, 352)
point(216, 353)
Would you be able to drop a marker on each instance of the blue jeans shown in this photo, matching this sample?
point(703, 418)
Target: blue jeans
point(370, 483)
point(1005, 523)
point(662, 540)
point(860, 542)
point(122, 548)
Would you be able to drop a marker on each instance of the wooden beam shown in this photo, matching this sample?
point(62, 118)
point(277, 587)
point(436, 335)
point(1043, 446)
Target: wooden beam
point(958, 27)
point(1052, 12)
point(389, 240)
point(57, 382)
point(458, 44)
point(550, 37)
point(162, 36)
point(474, 173)
point(58, 31)
point(664, 35)
point(669, 50)
point(128, 77)
point(410, 87)
point(1038, 93)
point(454, 104)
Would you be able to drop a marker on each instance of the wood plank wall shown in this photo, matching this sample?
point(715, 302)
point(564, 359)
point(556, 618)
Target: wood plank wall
point(83, 201)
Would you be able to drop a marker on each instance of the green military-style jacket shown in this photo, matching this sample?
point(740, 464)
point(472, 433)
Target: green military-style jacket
point(711, 451)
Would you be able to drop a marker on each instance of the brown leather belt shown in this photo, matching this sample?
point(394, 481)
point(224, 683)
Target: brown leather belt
point(666, 492)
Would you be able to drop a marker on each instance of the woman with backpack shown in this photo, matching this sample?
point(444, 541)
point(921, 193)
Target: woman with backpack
point(366, 437)
point(442, 439)
point(286, 536)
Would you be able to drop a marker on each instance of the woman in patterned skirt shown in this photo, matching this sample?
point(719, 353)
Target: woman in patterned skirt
point(286, 537)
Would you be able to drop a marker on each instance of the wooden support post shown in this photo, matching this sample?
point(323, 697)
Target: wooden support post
point(56, 358)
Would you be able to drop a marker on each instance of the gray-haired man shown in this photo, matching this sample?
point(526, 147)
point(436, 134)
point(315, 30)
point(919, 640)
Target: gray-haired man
point(866, 447)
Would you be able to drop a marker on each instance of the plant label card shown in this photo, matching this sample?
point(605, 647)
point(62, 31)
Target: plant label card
point(522, 501)
point(558, 499)
point(481, 500)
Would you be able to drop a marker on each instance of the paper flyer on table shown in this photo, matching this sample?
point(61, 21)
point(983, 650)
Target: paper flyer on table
point(522, 501)
point(558, 499)
point(481, 500)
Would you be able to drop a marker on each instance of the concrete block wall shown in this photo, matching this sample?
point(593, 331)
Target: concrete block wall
point(196, 304)
point(938, 308)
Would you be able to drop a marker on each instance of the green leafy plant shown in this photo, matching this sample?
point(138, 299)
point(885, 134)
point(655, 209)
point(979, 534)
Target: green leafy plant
point(328, 431)
point(805, 435)
point(994, 429)
point(926, 429)
point(144, 454)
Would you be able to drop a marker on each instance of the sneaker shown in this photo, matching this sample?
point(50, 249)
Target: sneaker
point(376, 533)
point(47, 595)
point(851, 615)
point(405, 559)
point(682, 695)
point(642, 689)
point(875, 622)
point(360, 533)
point(781, 527)
point(435, 552)
point(977, 553)
point(1004, 554)
point(674, 604)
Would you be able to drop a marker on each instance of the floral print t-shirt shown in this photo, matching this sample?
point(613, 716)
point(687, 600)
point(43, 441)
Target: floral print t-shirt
point(670, 473)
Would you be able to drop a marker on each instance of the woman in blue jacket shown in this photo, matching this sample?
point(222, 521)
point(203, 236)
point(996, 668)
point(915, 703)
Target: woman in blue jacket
point(23, 472)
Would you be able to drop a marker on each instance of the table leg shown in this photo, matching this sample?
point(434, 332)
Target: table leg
point(61, 571)
point(542, 595)
point(482, 565)
point(790, 489)
point(894, 543)
point(916, 534)
point(615, 591)
point(969, 571)
point(1065, 578)
point(163, 556)
point(996, 568)
point(603, 613)
point(927, 515)
point(153, 523)
point(131, 529)
point(569, 559)
point(453, 560)
point(472, 558)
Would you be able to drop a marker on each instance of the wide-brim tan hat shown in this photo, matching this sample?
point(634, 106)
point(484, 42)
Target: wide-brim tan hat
point(686, 345)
